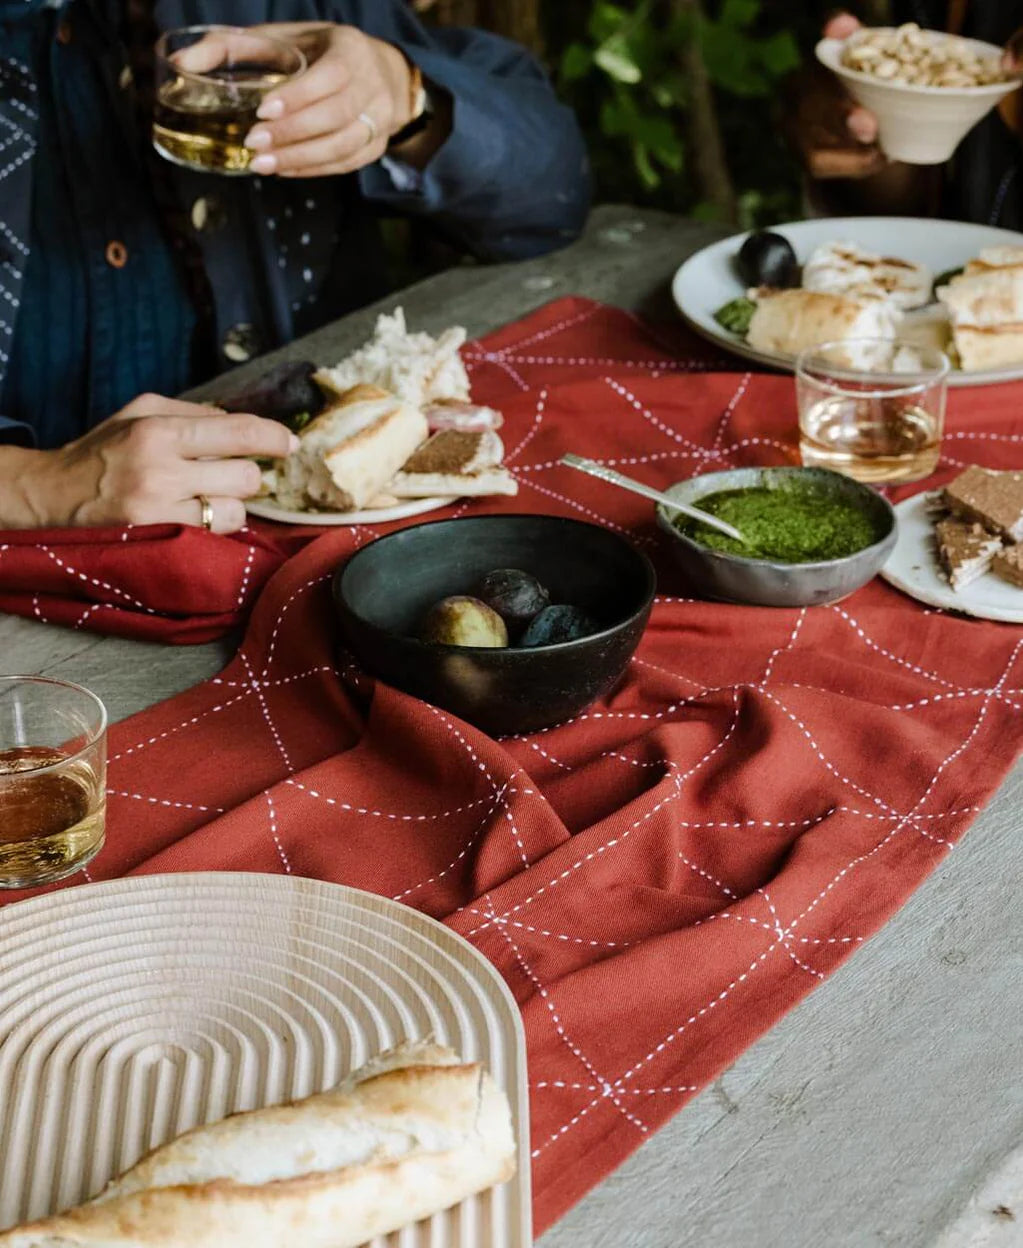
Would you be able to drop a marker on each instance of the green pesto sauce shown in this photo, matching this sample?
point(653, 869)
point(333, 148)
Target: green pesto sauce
point(801, 525)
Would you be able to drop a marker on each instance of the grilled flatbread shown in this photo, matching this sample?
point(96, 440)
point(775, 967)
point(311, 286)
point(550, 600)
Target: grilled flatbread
point(846, 269)
point(987, 299)
point(995, 259)
point(787, 321)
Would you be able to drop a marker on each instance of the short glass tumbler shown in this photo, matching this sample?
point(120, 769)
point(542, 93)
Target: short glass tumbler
point(872, 408)
point(210, 80)
point(52, 779)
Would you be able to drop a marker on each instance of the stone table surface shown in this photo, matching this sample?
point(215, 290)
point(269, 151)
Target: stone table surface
point(887, 1109)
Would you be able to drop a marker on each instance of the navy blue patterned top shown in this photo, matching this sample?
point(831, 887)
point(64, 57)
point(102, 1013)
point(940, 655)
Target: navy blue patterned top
point(94, 304)
point(104, 308)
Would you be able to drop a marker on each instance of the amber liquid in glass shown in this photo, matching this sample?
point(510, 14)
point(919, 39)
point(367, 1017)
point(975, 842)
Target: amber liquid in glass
point(203, 124)
point(871, 439)
point(51, 822)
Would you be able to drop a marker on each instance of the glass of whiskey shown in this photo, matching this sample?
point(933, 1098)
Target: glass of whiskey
point(210, 80)
point(871, 408)
point(52, 779)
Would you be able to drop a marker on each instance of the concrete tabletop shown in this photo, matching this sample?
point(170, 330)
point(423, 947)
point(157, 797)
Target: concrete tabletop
point(887, 1109)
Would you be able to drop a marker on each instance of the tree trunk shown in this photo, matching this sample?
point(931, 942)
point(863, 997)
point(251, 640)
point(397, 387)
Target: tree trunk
point(515, 19)
point(705, 146)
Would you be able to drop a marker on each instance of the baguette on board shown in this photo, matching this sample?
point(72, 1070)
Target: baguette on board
point(412, 1132)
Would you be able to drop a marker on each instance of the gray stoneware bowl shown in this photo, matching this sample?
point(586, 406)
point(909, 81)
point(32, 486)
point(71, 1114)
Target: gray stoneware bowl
point(764, 582)
point(383, 591)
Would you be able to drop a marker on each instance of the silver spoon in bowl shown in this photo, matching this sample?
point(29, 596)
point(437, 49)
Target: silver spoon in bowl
point(637, 487)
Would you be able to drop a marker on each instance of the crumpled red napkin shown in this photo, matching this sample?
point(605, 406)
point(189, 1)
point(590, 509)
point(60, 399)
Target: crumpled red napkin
point(161, 582)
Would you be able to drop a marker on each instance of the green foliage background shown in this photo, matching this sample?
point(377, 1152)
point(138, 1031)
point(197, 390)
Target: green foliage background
point(619, 63)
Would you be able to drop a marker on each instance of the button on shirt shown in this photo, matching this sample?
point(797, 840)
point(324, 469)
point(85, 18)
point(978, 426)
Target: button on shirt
point(104, 306)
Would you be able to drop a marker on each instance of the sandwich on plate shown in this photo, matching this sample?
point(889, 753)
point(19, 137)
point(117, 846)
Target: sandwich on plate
point(457, 464)
point(350, 451)
point(399, 423)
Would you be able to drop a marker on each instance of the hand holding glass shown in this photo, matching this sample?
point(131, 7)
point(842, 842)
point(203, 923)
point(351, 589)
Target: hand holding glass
point(210, 81)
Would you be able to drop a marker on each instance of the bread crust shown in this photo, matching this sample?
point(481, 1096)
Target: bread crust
point(351, 450)
point(432, 1131)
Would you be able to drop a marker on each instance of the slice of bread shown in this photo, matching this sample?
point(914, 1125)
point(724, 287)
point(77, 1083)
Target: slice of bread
point(349, 452)
point(457, 464)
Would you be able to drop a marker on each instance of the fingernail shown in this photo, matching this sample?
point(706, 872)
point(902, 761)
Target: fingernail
point(259, 138)
point(862, 127)
point(293, 444)
point(263, 164)
point(270, 110)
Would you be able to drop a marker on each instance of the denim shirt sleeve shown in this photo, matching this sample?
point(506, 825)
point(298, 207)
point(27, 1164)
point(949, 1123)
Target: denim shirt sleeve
point(15, 433)
point(512, 179)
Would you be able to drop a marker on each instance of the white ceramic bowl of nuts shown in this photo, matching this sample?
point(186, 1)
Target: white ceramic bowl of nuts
point(926, 88)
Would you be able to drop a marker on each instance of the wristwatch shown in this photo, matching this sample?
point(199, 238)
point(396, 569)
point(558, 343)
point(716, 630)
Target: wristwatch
point(422, 110)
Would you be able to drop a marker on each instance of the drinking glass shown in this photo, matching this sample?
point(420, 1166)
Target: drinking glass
point(872, 408)
point(210, 80)
point(52, 779)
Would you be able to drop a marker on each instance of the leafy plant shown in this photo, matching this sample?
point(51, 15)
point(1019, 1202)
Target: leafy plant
point(660, 85)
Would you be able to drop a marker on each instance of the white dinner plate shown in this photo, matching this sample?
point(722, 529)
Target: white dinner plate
point(913, 568)
point(268, 510)
point(708, 279)
point(133, 1010)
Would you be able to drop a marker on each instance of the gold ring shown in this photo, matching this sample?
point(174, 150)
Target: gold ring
point(207, 512)
point(370, 125)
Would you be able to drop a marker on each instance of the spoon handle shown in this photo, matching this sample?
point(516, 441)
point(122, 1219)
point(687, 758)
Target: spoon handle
point(637, 487)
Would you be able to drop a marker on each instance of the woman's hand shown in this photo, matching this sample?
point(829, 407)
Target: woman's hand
point(836, 137)
point(337, 116)
point(314, 125)
point(149, 464)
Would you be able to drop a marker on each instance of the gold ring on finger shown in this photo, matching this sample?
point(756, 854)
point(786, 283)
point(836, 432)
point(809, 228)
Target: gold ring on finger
point(206, 511)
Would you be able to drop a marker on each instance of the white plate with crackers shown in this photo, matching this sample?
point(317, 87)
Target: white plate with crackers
point(913, 567)
point(709, 279)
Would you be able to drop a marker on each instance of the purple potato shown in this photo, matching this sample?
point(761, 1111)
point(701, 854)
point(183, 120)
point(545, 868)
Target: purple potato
point(463, 621)
point(558, 623)
point(514, 595)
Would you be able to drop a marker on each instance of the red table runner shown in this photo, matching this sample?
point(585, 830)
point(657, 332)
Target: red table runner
point(664, 877)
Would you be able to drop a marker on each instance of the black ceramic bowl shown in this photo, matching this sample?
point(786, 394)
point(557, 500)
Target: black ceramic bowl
point(382, 593)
